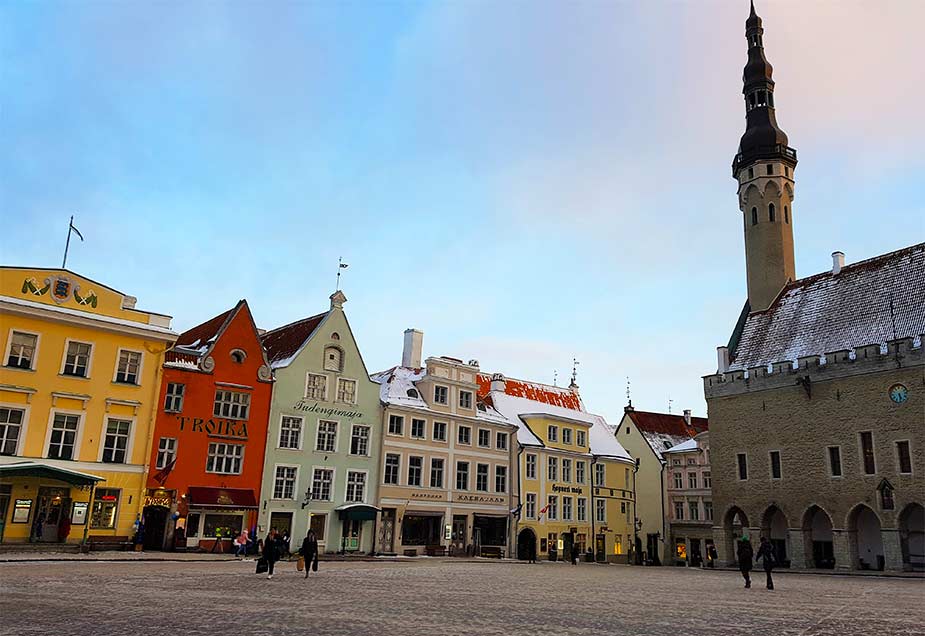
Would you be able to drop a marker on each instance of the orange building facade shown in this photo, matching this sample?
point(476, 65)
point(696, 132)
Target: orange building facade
point(210, 436)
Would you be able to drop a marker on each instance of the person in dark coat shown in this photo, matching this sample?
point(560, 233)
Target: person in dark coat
point(532, 549)
point(309, 551)
point(575, 554)
point(768, 558)
point(271, 552)
point(744, 554)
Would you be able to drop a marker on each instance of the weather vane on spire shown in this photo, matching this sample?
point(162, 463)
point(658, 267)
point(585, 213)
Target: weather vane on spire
point(629, 400)
point(340, 265)
point(670, 402)
point(574, 384)
point(555, 377)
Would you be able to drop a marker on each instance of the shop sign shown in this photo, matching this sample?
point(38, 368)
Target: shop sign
point(447, 532)
point(21, 510)
point(211, 427)
point(480, 499)
point(313, 407)
point(573, 489)
point(427, 495)
point(79, 514)
point(158, 500)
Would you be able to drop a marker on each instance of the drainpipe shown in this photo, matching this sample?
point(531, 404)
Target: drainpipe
point(635, 512)
point(593, 511)
point(377, 546)
point(661, 494)
point(512, 534)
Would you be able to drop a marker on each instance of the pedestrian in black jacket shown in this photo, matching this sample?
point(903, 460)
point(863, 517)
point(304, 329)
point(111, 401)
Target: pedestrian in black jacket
point(767, 556)
point(271, 552)
point(309, 552)
point(744, 554)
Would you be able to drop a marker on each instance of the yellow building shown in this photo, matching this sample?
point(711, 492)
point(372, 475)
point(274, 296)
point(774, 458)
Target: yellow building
point(574, 480)
point(78, 389)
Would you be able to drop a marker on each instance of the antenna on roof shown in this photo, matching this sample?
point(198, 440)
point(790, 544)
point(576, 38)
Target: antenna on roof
point(340, 265)
point(629, 400)
point(574, 384)
point(555, 377)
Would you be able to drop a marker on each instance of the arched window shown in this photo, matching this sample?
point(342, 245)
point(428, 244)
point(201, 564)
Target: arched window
point(754, 216)
point(238, 355)
point(335, 336)
point(786, 215)
point(771, 212)
point(333, 359)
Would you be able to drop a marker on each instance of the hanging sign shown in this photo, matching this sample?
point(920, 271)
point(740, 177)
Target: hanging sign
point(21, 510)
point(79, 514)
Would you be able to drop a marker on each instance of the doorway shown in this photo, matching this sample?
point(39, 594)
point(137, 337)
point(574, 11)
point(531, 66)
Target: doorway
point(387, 531)
point(459, 535)
point(350, 535)
point(155, 520)
point(526, 545)
point(53, 505)
point(695, 557)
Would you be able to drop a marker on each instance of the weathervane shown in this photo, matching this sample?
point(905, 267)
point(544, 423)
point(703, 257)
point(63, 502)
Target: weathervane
point(629, 400)
point(670, 401)
point(575, 363)
point(340, 265)
point(555, 377)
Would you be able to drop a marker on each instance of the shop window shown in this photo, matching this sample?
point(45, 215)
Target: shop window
point(22, 350)
point(333, 359)
point(10, 429)
point(233, 405)
point(63, 436)
point(115, 443)
point(356, 486)
point(317, 523)
point(173, 400)
point(359, 440)
point(192, 525)
point(316, 386)
point(77, 359)
point(680, 550)
point(225, 458)
point(105, 510)
point(166, 451)
point(290, 433)
point(346, 391)
point(222, 525)
point(439, 431)
point(129, 367)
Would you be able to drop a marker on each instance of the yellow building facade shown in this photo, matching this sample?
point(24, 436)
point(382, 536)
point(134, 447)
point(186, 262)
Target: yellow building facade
point(79, 383)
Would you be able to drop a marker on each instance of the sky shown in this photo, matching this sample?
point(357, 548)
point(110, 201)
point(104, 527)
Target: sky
point(525, 182)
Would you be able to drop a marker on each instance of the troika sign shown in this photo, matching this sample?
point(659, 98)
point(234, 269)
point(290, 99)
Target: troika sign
point(214, 428)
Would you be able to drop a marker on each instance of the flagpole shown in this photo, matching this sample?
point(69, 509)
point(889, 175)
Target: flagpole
point(68, 243)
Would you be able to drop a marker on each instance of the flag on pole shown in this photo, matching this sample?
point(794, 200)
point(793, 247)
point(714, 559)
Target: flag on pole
point(161, 476)
point(75, 230)
point(343, 265)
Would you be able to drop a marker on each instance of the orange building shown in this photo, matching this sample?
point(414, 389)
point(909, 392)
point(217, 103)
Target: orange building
point(210, 435)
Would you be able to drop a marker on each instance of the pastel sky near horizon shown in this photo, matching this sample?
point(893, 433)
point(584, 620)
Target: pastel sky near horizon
point(523, 181)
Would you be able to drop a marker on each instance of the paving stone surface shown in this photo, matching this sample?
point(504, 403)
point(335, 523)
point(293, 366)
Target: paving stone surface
point(440, 598)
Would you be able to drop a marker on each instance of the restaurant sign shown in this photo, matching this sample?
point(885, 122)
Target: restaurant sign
point(572, 489)
point(480, 499)
point(304, 406)
point(214, 427)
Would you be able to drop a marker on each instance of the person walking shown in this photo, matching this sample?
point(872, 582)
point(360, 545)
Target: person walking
point(240, 543)
point(768, 558)
point(532, 549)
point(309, 552)
point(271, 552)
point(744, 554)
point(574, 554)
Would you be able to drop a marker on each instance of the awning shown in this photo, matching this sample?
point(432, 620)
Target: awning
point(205, 497)
point(48, 471)
point(357, 512)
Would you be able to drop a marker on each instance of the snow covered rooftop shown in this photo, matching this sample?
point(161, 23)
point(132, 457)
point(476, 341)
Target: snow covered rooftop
point(666, 430)
point(830, 312)
point(284, 343)
point(683, 447)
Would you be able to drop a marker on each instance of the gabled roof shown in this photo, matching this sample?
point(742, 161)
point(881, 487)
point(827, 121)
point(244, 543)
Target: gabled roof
point(208, 331)
point(663, 431)
point(284, 343)
point(869, 302)
point(537, 391)
point(684, 447)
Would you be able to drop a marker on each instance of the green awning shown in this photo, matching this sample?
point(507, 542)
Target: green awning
point(357, 512)
point(47, 471)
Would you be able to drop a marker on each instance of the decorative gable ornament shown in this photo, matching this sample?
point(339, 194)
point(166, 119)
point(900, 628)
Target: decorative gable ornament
point(337, 300)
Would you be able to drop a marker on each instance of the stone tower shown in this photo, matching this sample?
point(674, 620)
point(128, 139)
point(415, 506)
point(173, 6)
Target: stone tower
point(764, 167)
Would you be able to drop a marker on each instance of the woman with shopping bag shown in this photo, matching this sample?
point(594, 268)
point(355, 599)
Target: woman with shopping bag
point(308, 553)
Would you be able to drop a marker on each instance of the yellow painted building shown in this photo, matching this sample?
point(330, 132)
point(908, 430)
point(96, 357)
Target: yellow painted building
point(79, 383)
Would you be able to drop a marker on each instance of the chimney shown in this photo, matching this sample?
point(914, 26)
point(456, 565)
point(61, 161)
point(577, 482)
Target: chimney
point(838, 262)
point(722, 359)
point(128, 302)
point(411, 353)
point(497, 382)
point(474, 363)
point(687, 416)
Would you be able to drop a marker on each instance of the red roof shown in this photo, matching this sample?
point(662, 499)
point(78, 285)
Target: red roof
point(207, 331)
point(206, 497)
point(667, 423)
point(284, 342)
point(554, 395)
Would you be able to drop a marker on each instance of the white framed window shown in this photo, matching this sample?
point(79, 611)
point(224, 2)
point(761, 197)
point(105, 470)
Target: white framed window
point(566, 470)
point(21, 350)
point(441, 395)
point(694, 509)
point(530, 505)
point(462, 475)
point(530, 466)
point(600, 474)
point(582, 509)
point(356, 486)
point(601, 507)
point(322, 484)
point(396, 424)
point(326, 441)
point(346, 390)
point(166, 451)
point(392, 469)
point(566, 508)
point(436, 472)
point(116, 441)
point(500, 478)
point(484, 438)
point(333, 359)
point(316, 386)
point(232, 405)
point(415, 470)
point(566, 439)
point(359, 440)
point(104, 512)
point(284, 483)
point(225, 458)
point(128, 367)
point(580, 472)
point(552, 469)
point(418, 428)
point(678, 481)
point(290, 432)
point(481, 477)
point(465, 399)
point(63, 441)
point(552, 507)
point(439, 431)
point(501, 441)
point(580, 438)
point(464, 435)
point(77, 356)
point(11, 425)
point(552, 432)
point(173, 399)
point(679, 510)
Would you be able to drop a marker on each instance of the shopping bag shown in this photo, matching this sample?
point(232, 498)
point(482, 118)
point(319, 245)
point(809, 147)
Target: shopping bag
point(300, 564)
point(262, 565)
point(315, 565)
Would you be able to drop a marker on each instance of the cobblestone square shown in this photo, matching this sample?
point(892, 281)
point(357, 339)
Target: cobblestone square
point(439, 597)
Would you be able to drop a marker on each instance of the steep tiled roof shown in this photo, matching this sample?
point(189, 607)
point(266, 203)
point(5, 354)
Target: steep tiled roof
point(664, 430)
point(203, 334)
point(830, 312)
point(553, 395)
point(285, 342)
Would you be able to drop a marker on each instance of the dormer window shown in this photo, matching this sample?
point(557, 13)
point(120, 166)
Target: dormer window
point(333, 359)
point(238, 356)
point(412, 393)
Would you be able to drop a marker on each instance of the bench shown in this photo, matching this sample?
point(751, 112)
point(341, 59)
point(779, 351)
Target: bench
point(491, 552)
point(100, 542)
point(409, 552)
point(435, 550)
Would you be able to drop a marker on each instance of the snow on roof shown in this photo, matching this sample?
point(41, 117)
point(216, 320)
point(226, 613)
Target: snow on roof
point(545, 393)
point(284, 343)
point(665, 430)
point(88, 316)
point(683, 447)
point(830, 312)
point(200, 336)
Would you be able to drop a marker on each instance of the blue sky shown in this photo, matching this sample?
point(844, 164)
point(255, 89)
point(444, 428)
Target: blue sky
point(523, 181)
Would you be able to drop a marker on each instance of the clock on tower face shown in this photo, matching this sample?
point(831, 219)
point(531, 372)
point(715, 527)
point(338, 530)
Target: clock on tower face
point(899, 393)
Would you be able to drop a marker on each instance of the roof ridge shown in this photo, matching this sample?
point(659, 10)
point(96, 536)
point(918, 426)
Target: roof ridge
point(295, 322)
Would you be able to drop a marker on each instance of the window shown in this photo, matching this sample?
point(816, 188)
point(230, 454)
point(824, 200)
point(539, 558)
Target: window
point(566, 439)
point(580, 437)
point(751, 173)
point(462, 475)
point(316, 386)
point(530, 466)
point(115, 442)
point(786, 215)
point(599, 474)
point(566, 469)
point(356, 486)
point(333, 359)
point(691, 461)
point(601, 510)
point(694, 509)
point(464, 435)
point(322, 480)
point(553, 433)
point(679, 510)
point(754, 216)
point(439, 431)
point(770, 167)
point(501, 441)
point(346, 391)
point(834, 461)
point(786, 171)
point(902, 453)
point(552, 471)
point(708, 510)
point(674, 462)
point(707, 483)
point(63, 436)
point(396, 424)
point(500, 478)
point(531, 506)
point(481, 477)
point(436, 472)
point(359, 440)
point(10, 428)
point(867, 453)
point(238, 356)
point(566, 509)
point(231, 404)
point(317, 522)
point(166, 451)
point(582, 509)
point(441, 395)
point(129, 366)
point(284, 484)
point(775, 464)
point(626, 478)
point(415, 467)
point(105, 508)
point(224, 458)
point(552, 507)
point(173, 401)
point(392, 463)
point(771, 212)
point(623, 507)
point(22, 350)
point(692, 480)
point(465, 399)
point(886, 496)
point(326, 441)
point(417, 428)
point(484, 438)
point(77, 359)
point(290, 432)
point(580, 472)
point(742, 461)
